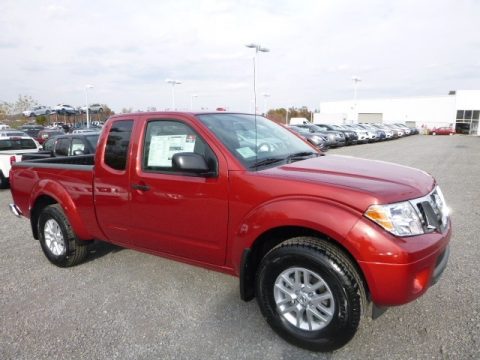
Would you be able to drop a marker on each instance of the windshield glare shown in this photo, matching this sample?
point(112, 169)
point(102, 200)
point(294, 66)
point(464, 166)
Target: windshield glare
point(237, 133)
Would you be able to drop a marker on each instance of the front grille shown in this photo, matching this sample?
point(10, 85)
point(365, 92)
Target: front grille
point(432, 209)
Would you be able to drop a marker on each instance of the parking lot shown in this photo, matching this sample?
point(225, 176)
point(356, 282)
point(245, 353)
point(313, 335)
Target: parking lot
point(126, 304)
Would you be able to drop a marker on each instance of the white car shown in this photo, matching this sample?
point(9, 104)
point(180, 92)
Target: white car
point(37, 111)
point(94, 108)
point(12, 133)
point(64, 109)
point(11, 150)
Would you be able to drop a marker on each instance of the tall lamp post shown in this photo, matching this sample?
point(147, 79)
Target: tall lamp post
point(193, 96)
point(258, 48)
point(88, 86)
point(356, 80)
point(173, 83)
point(265, 97)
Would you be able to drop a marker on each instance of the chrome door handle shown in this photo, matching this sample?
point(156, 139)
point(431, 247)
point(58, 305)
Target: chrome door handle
point(141, 187)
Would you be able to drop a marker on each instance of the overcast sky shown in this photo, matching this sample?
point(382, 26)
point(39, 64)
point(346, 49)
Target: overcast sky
point(126, 49)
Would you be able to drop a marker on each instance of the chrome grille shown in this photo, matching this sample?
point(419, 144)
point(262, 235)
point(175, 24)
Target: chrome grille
point(433, 211)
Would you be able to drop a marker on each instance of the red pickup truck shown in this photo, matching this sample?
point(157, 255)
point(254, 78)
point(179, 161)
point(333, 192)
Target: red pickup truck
point(316, 239)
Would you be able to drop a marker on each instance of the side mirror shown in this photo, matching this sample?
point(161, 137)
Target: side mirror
point(190, 163)
point(78, 152)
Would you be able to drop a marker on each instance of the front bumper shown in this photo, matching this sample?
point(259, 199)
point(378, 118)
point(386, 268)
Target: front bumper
point(399, 270)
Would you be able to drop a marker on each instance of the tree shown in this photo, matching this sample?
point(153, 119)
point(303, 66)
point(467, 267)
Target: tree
point(279, 115)
point(4, 110)
point(24, 102)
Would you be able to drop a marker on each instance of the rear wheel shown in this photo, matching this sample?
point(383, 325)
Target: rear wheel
point(310, 293)
point(58, 241)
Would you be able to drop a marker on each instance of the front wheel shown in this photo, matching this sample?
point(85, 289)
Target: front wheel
point(310, 293)
point(58, 241)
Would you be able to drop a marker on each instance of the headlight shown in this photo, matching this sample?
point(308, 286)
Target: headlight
point(400, 219)
point(317, 139)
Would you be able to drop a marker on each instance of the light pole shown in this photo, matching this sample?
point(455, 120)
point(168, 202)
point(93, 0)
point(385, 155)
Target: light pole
point(191, 100)
point(286, 117)
point(258, 48)
point(173, 83)
point(265, 97)
point(356, 80)
point(86, 103)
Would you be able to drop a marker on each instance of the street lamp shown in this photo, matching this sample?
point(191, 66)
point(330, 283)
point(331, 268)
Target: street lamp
point(356, 80)
point(173, 83)
point(86, 103)
point(265, 96)
point(258, 48)
point(191, 100)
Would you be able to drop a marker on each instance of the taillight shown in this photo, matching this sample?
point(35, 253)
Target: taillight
point(13, 160)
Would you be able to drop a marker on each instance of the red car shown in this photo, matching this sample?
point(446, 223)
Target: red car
point(442, 131)
point(313, 237)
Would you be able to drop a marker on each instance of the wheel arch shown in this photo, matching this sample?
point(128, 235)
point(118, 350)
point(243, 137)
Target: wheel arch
point(40, 203)
point(252, 256)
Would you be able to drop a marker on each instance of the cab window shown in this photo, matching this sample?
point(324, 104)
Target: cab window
point(165, 138)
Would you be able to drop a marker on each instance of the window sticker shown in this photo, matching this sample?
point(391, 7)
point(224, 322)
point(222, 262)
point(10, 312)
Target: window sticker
point(246, 152)
point(163, 147)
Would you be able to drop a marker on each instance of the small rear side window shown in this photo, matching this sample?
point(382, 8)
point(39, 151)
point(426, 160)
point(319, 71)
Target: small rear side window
point(118, 142)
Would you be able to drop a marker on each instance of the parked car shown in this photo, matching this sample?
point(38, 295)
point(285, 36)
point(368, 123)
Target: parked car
point(11, 150)
point(317, 140)
point(442, 131)
point(32, 130)
point(389, 134)
point(370, 134)
point(44, 135)
point(335, 138)
point(407, 131)
point(362, 136)
point(397, 132)
point(66, 145)
point(64, 109)
point(12, 133)
point(85, 131)
point(94, 108)
point(314, 237)
point(351, 136)
point(37, 111)
point(380, 134)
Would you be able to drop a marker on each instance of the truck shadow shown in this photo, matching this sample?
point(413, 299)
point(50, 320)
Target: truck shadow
point(99, 249)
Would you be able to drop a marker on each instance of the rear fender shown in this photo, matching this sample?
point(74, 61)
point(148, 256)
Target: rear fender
point(62, 197)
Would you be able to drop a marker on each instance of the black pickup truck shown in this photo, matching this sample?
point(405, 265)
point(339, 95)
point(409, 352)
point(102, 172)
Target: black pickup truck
point(66, 145)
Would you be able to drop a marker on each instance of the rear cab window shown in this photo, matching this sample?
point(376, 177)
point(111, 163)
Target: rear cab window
point(118, 142)
point(17, 144)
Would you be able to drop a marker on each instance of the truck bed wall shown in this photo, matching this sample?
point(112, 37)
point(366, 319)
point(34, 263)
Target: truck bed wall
point(69, 181)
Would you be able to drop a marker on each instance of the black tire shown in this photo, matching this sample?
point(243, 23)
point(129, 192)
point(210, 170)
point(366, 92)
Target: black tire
point(74, 250)
point(3, 181)
point(335, 269)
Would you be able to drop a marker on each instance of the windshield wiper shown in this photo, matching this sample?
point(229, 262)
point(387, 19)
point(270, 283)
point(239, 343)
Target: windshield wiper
point(300, 156)
point(266, 161)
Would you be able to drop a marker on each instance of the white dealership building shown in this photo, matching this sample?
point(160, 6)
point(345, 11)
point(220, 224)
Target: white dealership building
point(459, 109)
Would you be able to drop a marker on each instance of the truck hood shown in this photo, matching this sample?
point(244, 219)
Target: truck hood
point(380, 182)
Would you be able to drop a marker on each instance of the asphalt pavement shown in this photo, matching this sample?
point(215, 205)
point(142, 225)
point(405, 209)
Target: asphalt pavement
point(123, 304)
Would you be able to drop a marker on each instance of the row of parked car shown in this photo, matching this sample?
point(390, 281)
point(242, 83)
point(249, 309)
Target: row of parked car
point(36, 142)
point(325, 136)
point(63, 109)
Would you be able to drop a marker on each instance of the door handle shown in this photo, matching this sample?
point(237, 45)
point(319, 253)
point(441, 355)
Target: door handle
point(141, 187)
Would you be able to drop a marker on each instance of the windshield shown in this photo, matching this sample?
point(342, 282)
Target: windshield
point(271, 141)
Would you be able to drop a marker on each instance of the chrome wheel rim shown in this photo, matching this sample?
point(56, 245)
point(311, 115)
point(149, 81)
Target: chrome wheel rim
point(54, 237)
point(304, 299)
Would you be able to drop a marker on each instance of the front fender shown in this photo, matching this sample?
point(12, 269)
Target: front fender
point(57, 192)
point(321, 215)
